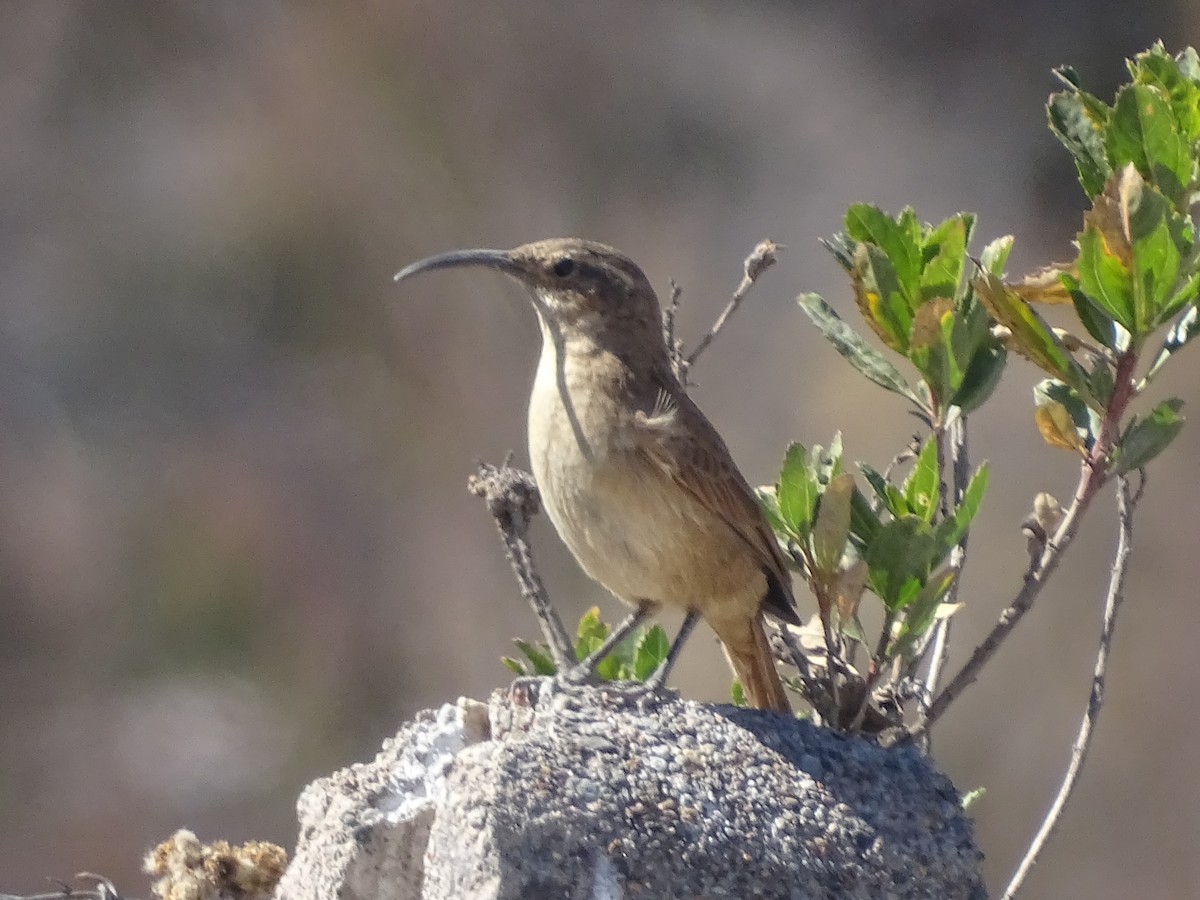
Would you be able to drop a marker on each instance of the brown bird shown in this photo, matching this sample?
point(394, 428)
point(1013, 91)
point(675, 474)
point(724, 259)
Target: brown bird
point(637, 482)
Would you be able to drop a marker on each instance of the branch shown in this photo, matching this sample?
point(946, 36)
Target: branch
point(512, 498)
point(761, 258)
point(1079, 750)
point(674, 345)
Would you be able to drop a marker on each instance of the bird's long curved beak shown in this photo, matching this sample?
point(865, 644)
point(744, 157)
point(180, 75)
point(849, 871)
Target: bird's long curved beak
point(492, 259)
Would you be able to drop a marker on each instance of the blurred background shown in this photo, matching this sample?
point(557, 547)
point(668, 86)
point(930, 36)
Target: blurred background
point(236, 549)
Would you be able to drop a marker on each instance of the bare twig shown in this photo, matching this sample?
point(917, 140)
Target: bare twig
point(761, 258)
point(512, 498)
point(909, 452)
point(1079, 750)
point(670, 338)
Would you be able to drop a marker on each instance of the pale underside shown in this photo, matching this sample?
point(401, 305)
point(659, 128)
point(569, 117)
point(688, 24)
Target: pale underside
point(606, 485)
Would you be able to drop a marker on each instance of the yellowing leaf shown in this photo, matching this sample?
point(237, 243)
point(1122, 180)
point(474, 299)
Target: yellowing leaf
point(1045, 285)
point(832, 527)
point(1110, 213)
point(927, 322)
point(870, 305)
point(1056, 426)
point(848, 589)
point(1028, 334)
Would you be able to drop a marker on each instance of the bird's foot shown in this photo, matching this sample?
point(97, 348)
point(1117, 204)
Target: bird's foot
point(580, 674)
point(658, 678)
point(639, 694)
point(632, 693)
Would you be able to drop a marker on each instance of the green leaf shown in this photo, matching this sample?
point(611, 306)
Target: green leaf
point(864, 521)
point(897, 238)
point(1143, 131)
point(842, 246)
point(1098, 323)
point(920, 488)
point(899, 559)
point(797, 491)
point(1159, 239)
point(1142, 441)
point(922, 612)
point(945, 248)
point(970, 798)
point(1156, 68)
point(609, 668)
point(831, 463)
point(869, 361)
point(1101, 379)
point(1069, 76)
point(1156, 266)
point(738, 694)
point(514, 665)
point(1187, 293)
point(888, 494)
point(589, 633)
point(769, 504)
point(1188, 62)
point(1075, 123)
point(852, 628)
point(995, 255)
point(969, 334)
point(832, 528)
point(951, 529)
point(981, 377)
point(1130, 254)
point(539, 657)
point(649, 652)
point(1184, 329)
point(1105, 277)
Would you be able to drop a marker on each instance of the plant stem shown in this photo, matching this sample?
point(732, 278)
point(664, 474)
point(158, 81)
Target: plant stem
point(960, 468)
point(512, 498)
point(1079, 750)
point(761, 258)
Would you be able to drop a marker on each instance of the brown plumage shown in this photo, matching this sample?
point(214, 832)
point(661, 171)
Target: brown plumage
point(637, 482)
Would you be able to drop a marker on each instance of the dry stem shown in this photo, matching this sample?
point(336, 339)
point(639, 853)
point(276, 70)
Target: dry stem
point(512, 498)
point(1079, 750)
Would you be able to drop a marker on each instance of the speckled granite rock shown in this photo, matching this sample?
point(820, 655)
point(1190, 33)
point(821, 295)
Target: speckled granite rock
point(550, 792)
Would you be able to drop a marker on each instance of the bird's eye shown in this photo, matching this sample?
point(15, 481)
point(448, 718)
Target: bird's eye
point(564, 267)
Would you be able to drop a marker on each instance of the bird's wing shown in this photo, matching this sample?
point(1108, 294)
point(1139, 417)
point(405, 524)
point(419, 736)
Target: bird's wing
point(677, 439)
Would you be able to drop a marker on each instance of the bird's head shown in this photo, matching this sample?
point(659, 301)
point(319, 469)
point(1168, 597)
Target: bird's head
point(576, 285)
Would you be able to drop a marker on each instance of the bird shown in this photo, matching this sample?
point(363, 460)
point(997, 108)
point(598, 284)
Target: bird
point(635, 479)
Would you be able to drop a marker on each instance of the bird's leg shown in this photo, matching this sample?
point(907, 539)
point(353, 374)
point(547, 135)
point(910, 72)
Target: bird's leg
point(582, 671)
point(659, 678)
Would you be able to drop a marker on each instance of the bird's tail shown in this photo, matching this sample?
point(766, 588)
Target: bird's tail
point(750, 656)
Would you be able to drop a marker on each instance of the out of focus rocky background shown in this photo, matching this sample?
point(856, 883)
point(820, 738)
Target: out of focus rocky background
point(236, 550)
